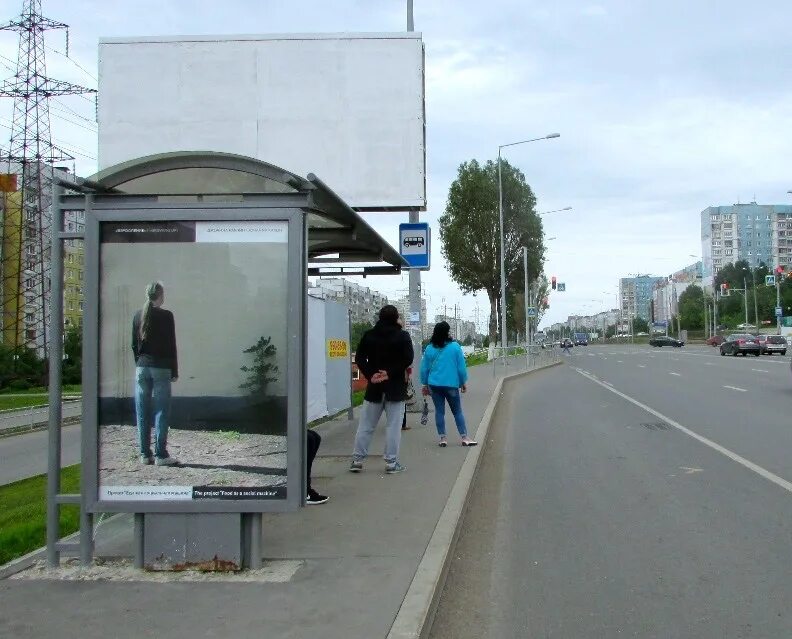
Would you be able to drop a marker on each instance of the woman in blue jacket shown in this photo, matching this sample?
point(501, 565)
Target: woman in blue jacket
point(444, 374)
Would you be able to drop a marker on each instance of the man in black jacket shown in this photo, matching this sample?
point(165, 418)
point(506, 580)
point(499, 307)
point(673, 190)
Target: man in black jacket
point(383, 355)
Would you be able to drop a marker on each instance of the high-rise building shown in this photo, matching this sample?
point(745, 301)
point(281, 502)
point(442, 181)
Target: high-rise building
point(756, 233)
point(403, 304)
point(635, 295)
point(461, 330)
point(364, 304)
point(666, 293)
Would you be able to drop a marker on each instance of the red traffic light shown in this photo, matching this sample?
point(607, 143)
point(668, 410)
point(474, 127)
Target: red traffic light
point(553, 282)
point(779, 270)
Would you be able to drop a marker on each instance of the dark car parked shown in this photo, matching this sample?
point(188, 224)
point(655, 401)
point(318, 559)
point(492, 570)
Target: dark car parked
point(769, 344)
point(740, 343)
point(665, 340)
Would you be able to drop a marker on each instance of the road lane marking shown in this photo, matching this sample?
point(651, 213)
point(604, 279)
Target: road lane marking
point(618, 361)
point(673, 373)
point(710, 363)
point(742, 390)
point(690, 471)
point(641, 365)
point(759, 370)
point(762, 472)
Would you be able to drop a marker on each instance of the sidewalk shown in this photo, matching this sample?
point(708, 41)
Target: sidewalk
point(31, 418)
point(353, 559)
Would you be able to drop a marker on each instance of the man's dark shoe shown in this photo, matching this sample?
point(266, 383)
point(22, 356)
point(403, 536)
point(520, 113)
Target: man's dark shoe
point(315, 498)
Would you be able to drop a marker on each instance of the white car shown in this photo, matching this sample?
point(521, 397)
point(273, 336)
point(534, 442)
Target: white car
point(744, 326)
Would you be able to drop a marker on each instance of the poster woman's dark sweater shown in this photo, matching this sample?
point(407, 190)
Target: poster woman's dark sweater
point(158, 350)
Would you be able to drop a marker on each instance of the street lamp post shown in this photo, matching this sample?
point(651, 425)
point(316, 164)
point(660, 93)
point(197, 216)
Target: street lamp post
point(502, 240)
point(566, 208)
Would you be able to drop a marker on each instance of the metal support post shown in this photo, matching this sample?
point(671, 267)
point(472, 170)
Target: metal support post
point(526, 303)
point(778, 303)
point(138, 539)
point(351, 411)
point(255, 541)
point(55, 379)
point(504, 337)
point(745, 299)
point(415, 307)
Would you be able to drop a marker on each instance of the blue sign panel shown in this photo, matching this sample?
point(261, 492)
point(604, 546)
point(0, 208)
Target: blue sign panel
point(414, 244)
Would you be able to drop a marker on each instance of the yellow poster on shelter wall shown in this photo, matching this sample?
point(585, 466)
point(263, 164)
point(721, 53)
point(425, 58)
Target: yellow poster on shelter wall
point(337, 348)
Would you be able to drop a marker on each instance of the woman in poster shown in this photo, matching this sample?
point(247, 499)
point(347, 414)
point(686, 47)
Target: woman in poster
point(154, 348)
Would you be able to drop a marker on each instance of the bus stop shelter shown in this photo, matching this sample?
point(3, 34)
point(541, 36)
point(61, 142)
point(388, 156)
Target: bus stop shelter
point(232, 239)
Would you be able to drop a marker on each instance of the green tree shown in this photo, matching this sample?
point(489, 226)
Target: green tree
point(640, 325)
point(358, 328)
point(470, 232)
point(72, 350)
point(21, 368)
point(691, 308)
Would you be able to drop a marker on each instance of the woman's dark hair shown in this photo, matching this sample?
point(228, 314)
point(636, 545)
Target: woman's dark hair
point(440, 334)
point(389, 314)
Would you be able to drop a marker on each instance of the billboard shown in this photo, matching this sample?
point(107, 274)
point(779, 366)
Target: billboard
point(193, 345)
point(347, 107)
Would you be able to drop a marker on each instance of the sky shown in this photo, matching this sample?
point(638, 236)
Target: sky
point(664, 108)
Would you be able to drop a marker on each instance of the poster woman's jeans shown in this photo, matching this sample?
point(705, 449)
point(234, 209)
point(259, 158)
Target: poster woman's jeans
point(152, 400)
point(441, 394)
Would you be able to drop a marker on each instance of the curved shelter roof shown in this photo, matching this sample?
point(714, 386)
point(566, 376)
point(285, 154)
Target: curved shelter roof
point(337, 235)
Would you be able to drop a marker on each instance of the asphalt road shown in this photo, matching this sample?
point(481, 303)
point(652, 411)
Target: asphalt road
point(593, 517)
point(25, 455)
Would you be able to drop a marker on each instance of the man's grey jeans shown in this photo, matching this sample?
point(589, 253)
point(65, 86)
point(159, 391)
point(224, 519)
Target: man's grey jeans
point(369, 416)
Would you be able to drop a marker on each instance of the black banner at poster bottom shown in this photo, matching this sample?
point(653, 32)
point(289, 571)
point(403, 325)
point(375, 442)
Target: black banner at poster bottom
point(238, 492)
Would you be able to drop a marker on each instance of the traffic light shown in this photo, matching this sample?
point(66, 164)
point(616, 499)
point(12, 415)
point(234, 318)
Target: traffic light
point(553, 282)
point(725, 289)
point(780, 270)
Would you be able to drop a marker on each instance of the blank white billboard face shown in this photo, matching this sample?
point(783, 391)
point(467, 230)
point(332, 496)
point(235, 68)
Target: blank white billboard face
point(349, 108)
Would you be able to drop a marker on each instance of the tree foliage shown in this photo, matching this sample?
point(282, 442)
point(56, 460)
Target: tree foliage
point(470, 232)
point(72, 350)
point(691, 308)
point(358, 328)
point(21, 368)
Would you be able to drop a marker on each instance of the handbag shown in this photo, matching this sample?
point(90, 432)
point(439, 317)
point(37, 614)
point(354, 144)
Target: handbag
point(410, 391)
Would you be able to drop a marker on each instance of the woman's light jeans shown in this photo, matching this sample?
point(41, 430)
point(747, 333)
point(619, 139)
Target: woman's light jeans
point(152, 404)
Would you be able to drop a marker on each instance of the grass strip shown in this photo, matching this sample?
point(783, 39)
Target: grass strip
point(68, 389)
point(10, 403)
point(23, 513)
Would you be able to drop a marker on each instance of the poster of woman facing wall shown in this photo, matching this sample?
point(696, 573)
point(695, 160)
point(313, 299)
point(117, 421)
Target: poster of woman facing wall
point(192, 360)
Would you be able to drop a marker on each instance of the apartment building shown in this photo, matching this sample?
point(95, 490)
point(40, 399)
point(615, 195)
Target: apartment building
point(364, 303)
point(635, 295)
point(756, 233)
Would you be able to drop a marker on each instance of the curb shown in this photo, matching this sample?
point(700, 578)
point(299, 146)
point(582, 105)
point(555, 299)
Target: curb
point(27, 428)
point(416, 613)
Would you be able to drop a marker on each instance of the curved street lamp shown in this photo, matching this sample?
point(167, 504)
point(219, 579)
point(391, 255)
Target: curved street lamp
point(549, 136)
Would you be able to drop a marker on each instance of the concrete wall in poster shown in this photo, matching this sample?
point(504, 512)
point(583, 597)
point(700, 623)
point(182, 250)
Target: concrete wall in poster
point(223, 297)
point(347, 107)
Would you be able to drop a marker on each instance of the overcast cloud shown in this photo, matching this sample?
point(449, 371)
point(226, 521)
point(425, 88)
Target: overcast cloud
point(664, 108)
